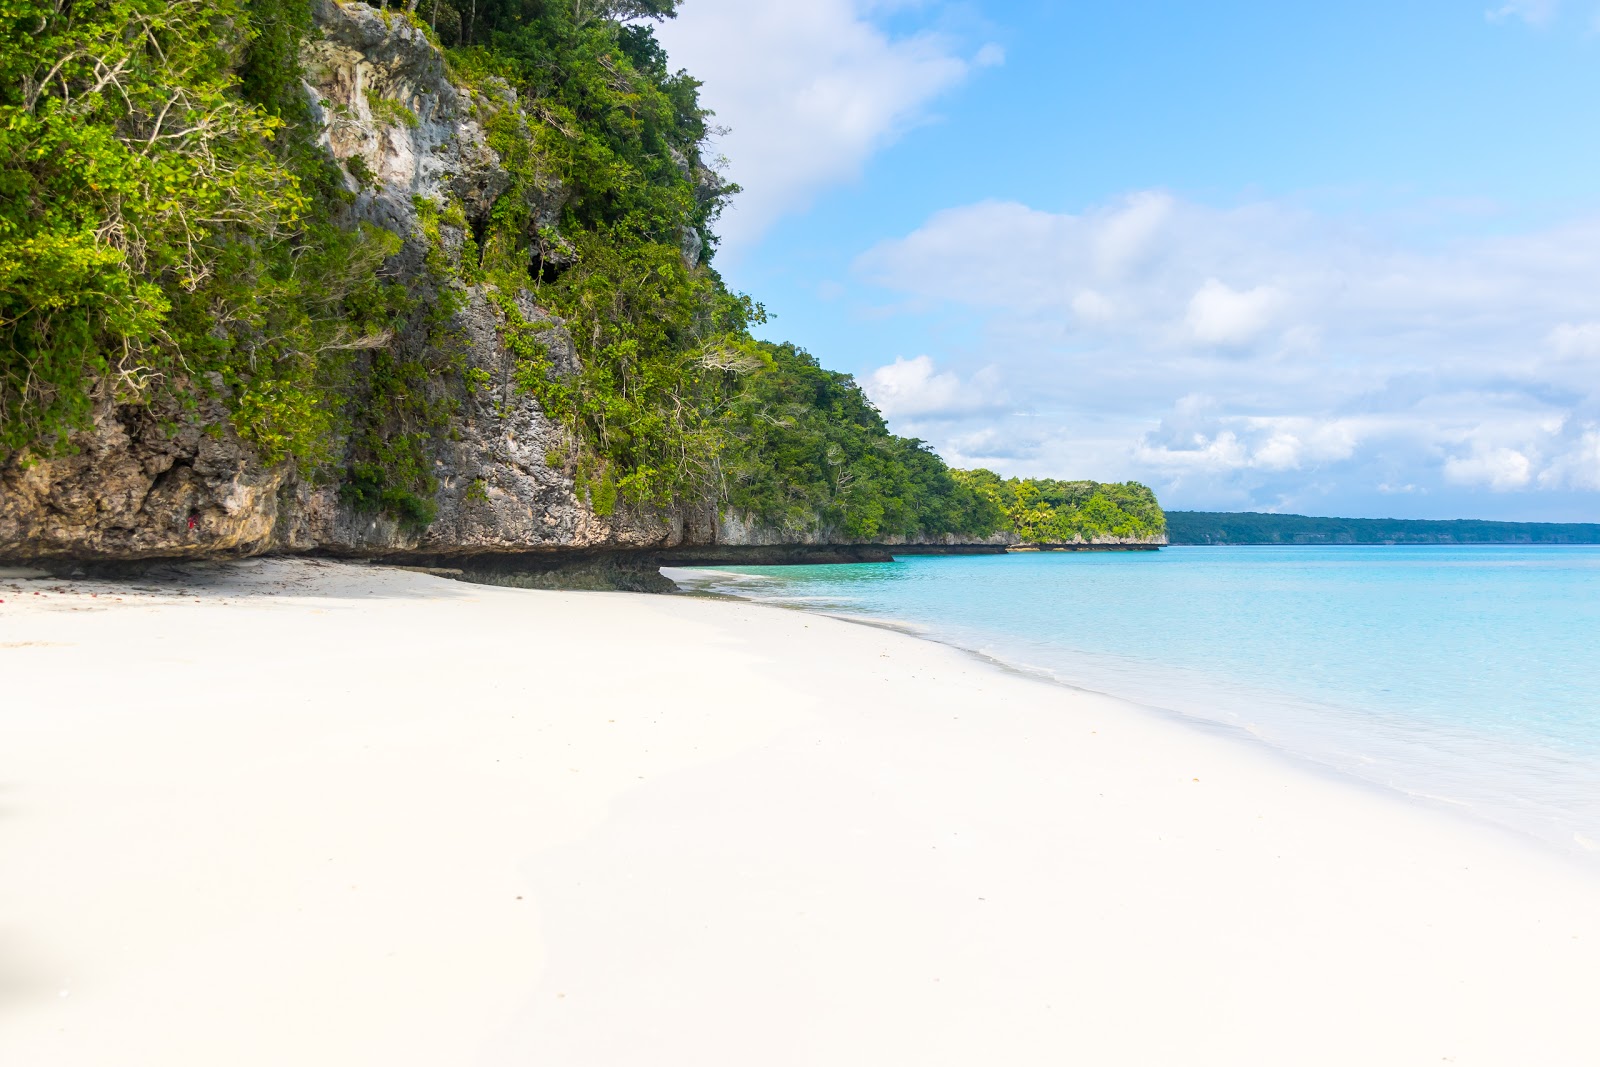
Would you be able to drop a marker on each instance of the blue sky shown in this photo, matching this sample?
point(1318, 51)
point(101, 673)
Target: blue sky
point(1337, 259)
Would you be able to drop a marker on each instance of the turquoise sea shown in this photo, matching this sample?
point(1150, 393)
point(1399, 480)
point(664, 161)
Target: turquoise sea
point(1467, 676)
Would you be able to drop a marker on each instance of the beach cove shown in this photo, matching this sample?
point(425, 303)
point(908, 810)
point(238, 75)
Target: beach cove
point(301, 811)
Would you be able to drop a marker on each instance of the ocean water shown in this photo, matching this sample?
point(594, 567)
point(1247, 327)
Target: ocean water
point(1467, 676)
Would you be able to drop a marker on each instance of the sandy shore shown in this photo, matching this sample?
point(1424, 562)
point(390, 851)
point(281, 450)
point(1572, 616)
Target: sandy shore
point(302, 813)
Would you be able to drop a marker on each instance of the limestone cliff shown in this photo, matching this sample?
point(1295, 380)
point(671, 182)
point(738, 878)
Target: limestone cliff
point(153, 481)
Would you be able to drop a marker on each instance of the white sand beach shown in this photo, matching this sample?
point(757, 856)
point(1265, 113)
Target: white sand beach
point(298, 812)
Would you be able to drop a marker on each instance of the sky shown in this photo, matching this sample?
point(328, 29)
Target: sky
point(1335, 259)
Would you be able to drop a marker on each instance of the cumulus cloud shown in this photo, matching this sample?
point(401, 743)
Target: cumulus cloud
point(1577, 464)
point(1263, 354)
point(1219, 315)
point(1093, 307)
point(1497, 468)
point(914, 389)
point(1125, 234)
point(1197, 436)
point(1145, 259)
point(809, 92)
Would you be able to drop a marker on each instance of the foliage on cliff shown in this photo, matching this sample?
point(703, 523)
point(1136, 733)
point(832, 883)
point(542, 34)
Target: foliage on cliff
point(1049, 512)
point(157, 229)
point(169, 224)
point(614, 125)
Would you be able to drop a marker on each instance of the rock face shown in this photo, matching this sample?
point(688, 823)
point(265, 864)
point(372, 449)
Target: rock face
point(391, 116)
point(155, 483)
point(145, 482)
point(403, 133)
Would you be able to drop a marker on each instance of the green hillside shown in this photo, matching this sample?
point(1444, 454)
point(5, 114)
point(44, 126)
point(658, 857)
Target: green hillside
point(1260, 528)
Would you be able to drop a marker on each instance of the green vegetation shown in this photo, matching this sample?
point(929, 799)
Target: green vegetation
point(169, 226)
point(809, 446)
point(660, 340)
point(1258, 528)
point(159, 229)
point(1048, 512)
point(391, 111)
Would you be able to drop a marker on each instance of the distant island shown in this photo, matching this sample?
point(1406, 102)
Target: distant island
point(1261, 528)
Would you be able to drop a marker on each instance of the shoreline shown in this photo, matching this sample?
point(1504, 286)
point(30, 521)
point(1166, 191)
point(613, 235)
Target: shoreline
point(316, 812)
point(1506, 813)
point(1580, 853)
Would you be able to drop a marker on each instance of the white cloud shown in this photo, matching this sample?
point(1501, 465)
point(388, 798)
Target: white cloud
point(1578, 466)
point(809, 91)
point(1576, 339)
point(990, 55)
point(1146, 253)
point(1333, 353)
point(1293, 444)
point(1124, 234)
point(1221, 452)
point(912, 388)
point(1533, 12)
point(1497, 468)
point(1008, 252)
point(1219, 315)
point(1197, 436)
point(1092, 307)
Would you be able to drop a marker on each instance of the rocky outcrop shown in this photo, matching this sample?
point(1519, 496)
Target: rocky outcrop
point(146, 481)
point(404, 134)
point(498, 492)
point(156, 482)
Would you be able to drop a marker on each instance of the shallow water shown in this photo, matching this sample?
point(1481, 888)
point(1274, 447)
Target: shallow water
point(1469, 676)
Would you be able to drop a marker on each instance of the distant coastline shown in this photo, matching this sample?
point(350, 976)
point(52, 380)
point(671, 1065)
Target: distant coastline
point(1262, 528)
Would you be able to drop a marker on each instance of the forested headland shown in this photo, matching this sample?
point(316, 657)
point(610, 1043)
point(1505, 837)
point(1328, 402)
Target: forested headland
point(1260, 528)
point(178, 237)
